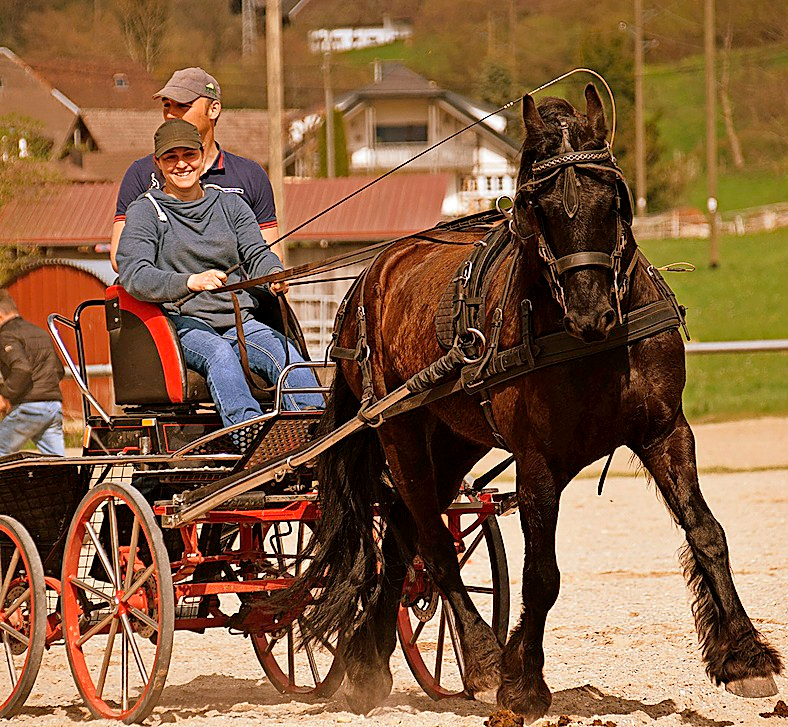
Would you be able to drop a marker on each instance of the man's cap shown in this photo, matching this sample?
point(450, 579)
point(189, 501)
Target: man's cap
point(189, 84)
point(175, 133)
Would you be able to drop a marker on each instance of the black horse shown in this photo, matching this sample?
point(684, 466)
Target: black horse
point(573, 256)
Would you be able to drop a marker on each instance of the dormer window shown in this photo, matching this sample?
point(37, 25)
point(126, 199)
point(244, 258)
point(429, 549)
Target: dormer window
point(121, 80)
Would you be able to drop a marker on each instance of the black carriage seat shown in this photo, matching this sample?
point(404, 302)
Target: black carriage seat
point(146, 356)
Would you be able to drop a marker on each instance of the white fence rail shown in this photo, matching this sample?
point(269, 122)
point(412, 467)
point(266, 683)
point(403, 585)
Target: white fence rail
point(678, 224)
point(691, 347)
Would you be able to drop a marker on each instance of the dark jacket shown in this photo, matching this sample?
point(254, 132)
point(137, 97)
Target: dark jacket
point(30, 367)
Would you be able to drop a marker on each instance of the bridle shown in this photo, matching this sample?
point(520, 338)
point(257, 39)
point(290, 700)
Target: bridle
point(547, 172)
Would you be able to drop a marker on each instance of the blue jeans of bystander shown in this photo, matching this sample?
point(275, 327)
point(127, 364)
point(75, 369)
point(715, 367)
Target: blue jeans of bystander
point(216, 357)
point(39, 421)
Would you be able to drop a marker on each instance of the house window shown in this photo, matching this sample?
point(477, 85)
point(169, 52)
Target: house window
point(469, 184)
point(401, 133)
point(121, 80)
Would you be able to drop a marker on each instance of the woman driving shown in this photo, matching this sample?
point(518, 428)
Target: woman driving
point(179, 240)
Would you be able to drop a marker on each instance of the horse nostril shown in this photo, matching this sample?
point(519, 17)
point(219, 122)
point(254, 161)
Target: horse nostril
point(608, 320)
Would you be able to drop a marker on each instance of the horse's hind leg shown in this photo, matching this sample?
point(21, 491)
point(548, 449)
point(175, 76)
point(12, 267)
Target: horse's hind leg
point(369, 650)
point(735, 653)
point(427, 481)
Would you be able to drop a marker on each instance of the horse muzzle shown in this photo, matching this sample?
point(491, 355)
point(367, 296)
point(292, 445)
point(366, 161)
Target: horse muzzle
point(589, 327)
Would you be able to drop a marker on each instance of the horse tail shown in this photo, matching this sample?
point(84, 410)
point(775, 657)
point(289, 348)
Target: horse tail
point(353, 477)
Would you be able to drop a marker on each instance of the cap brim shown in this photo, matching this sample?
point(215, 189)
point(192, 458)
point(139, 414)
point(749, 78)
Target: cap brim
point(177, 94)
point(175, 144)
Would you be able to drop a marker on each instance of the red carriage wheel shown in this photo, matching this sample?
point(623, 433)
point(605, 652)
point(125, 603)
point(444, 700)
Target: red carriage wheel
point(314, 671)
point(117, 603)
point(22, 615)
point(425, 623)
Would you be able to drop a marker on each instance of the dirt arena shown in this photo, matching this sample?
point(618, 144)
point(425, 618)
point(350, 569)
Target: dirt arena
point(620, 643)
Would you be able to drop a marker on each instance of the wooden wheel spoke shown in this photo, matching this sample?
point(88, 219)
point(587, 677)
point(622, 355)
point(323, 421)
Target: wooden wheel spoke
point(113, 630)
point(9, 657)
point(9, 574)
point(142, 616)
point(439, 649)
point(488, 590)
point(455, 642)
point(102, 554)
point(416, 633)
point(104, 597)
point(271, 644)
point(135, 534)
point(90, 633)
point(299, 548)
point(14, 634)
point(113, 538)
point(472, 547)
point(124, 670)
point(135, 650)
point(311, 659)
point(290, 655)
point(138, 583)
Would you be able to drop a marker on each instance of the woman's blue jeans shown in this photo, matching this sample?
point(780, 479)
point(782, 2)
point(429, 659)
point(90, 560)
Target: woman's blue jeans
point(217, 358)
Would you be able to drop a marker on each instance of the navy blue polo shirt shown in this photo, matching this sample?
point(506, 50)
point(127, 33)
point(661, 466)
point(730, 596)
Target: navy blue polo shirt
point(231, 172)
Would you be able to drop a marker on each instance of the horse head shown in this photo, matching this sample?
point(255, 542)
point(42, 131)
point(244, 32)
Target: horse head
point(572, 199)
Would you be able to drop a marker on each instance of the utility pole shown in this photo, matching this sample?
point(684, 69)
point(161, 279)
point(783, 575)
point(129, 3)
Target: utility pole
point(248, 28)
point(711, 135)
point(275, 78)
point(328, 92)
point(640, 126)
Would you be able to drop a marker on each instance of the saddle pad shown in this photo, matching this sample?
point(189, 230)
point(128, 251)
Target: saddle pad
point(482, 261)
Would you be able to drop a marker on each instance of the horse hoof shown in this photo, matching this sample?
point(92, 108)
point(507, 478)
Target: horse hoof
point(752, 687)
point(488, 696)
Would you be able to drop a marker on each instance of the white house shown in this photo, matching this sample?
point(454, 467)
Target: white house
point(401, 114)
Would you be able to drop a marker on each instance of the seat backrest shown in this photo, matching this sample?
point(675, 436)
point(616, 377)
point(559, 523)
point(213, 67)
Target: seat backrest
point(146, 356)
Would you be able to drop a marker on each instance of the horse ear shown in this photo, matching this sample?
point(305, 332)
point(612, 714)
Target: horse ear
point(595, 112)
point(531, 118)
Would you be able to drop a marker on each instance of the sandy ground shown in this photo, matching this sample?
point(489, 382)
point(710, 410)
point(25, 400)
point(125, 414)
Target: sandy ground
point(620, 643)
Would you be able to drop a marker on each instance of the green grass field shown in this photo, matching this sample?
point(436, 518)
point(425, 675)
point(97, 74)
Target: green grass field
point(744, 298)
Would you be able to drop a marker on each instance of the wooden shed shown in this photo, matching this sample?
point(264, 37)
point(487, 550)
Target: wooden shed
point(59, 286)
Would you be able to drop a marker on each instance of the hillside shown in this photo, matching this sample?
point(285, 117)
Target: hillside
point(491, 52)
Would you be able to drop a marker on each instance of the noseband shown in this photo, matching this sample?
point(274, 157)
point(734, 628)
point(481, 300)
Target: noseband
point(546, 172)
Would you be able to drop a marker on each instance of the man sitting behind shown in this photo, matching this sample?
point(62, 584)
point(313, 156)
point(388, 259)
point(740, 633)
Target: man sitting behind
point(178, 240)
point(193, 95)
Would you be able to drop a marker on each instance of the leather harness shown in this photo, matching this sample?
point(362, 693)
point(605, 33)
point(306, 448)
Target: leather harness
point(473, 359)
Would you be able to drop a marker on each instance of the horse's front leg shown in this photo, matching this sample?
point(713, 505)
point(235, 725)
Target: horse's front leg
point(523, 689)
point(735, 653)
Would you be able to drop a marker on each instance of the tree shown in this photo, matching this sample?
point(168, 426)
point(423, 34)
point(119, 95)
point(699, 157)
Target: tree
point(495, 83)
point(612, 61)
point(144, 24)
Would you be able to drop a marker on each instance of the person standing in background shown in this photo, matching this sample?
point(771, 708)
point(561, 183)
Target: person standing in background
point(30, 396)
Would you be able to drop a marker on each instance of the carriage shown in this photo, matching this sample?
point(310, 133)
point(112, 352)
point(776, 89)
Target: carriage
point(112, 551)
point(555, 339)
